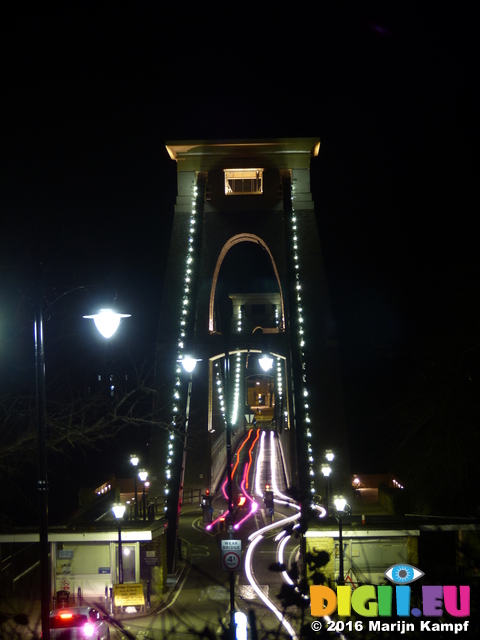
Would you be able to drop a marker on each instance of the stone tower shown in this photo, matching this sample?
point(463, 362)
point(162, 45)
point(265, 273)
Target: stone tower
point(245, 275)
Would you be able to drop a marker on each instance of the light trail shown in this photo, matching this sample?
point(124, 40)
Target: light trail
point(261, 454)
point(244, 482)
point(258, 535)
point(259, 592)
point(245, 475)
point(274, 525)
point(280, 549)
point(254, 504)
point(276, 490)
point(250, 455)
point(236, 464)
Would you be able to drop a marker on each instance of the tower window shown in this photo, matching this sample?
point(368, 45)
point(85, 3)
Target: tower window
point(243, 181)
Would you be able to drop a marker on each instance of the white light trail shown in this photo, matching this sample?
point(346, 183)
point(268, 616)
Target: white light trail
point(280, 549)
point(276, 490)
point(259, 592)
point(258, 491)
point(269, 527)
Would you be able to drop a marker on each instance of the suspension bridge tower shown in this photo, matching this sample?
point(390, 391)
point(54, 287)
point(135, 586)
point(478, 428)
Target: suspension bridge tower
point(245, 277)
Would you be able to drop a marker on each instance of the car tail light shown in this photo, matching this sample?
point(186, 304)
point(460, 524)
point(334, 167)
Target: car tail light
point(89, 630)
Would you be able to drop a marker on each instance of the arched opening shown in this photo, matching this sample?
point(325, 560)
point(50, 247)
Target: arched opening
point(234, 240)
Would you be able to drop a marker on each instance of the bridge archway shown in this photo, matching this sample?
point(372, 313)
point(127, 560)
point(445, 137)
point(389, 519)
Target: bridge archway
point(242, 237)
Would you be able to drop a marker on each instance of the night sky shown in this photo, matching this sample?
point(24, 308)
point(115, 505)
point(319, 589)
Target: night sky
point(91, 91)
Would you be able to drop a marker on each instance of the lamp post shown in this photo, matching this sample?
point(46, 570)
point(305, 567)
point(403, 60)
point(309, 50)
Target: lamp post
point(42, 482)
point(326, 471)
point(146, 484)
point(226, 318)
point(143, 475)
point(118, 512)
point(188, 363)
point(340, 504)
point(134, 460)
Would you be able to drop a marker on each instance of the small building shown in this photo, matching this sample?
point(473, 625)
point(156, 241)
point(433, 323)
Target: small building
point(84, 557)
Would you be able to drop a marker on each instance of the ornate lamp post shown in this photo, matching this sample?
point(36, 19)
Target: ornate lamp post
point(134, 460)
point(42, 483)
point(118, 512)
point(143, 475)
point(340, 504)
point(326, 471)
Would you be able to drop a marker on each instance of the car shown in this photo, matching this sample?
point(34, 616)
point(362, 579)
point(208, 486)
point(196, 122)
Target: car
point(78, 623)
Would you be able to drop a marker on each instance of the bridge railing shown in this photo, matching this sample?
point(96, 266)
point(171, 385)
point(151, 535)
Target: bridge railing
point(190, 497)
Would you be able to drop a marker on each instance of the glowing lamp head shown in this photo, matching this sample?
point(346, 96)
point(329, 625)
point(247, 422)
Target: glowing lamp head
point(340, 504)
point(188, 363)
point(143, 475)
point(107, 321)
point(134, 460)
point(266, 362)
point(326, 470)
point(329, 455)
point(118, 511)
point(88, 630)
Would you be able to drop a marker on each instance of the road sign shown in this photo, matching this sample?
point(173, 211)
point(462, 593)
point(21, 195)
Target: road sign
point(271, 512)
point(231, 555)
point(128, 594)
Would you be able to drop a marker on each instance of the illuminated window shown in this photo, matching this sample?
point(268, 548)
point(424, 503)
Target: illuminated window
point(243, 181)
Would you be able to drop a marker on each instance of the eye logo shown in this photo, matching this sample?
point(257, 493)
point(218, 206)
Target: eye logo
point(403, 573)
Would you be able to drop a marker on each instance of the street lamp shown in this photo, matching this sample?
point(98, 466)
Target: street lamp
point(326, 471)
point(134, 460)
point(146, 484)
point(118, 512)
point(188, 363)
point(143, 475)
point(329, 455)
point(340, 504)
point(42, 483)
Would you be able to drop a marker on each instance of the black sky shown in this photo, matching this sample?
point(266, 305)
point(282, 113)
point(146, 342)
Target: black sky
point(92, 90)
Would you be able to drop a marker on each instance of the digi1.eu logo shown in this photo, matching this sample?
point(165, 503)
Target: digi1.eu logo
point(389, 600)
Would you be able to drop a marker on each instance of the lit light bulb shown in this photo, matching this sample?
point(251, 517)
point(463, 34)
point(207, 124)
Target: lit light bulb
point(107, 321)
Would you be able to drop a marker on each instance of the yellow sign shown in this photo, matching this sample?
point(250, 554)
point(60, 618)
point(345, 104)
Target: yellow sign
point(128, 594)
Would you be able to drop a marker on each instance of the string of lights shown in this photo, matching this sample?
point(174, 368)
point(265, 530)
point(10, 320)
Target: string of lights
point(301, 335)
point(238, 367)
point(220, 393)
point(186, 312)
point(279, 388)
